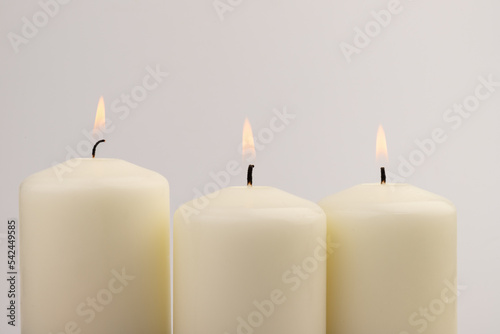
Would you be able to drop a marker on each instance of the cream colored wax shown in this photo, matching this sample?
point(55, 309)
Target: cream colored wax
point(94, 250)
point(395, 270)
point(250, 260)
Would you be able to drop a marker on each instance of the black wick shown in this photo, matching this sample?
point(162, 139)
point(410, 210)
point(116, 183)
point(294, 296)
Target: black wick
point(250, 175)
point(95, 146)
point(382, 175)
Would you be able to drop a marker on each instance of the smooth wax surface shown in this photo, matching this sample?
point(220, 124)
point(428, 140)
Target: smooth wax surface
point(395, 269)
point(94, 250)
point(234, 257)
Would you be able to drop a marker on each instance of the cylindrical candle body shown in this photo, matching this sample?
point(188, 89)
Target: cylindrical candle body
point(95, 250)
point(395, 269)
point(250, 259)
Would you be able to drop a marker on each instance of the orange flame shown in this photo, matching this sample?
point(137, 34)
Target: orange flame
point(248, 145)
point(100, 116)
point(381, 147)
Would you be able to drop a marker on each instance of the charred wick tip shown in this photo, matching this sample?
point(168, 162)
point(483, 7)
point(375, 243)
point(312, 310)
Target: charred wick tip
point(95, 146)
point(250, 175)
point(382, 175)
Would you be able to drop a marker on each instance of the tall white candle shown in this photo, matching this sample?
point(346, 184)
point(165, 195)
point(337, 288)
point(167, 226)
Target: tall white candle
point(94, 250)
point(395, 269)
point(252, 260)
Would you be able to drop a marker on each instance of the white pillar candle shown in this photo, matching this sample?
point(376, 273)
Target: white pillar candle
point(395, 269)
point(94, 250)
point(250, 260)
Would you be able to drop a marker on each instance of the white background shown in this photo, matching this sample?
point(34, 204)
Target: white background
point(267, 55)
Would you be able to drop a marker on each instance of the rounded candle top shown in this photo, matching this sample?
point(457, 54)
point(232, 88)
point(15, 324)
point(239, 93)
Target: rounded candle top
point(398, 198)
point(93, 173)
point(249, 203)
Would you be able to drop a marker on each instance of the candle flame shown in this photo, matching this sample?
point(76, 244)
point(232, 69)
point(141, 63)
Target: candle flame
point(381, 147)
point(100, 116)
point(248, 145)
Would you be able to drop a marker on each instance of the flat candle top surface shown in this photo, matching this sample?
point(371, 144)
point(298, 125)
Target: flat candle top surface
point(256, 197)
point(93, 173)
point(396, 198)
point(249, 203)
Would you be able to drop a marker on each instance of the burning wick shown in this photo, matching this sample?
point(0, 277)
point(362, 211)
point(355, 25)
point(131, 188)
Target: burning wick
point(382, 175)
point(249, 175)
point(95, 146)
